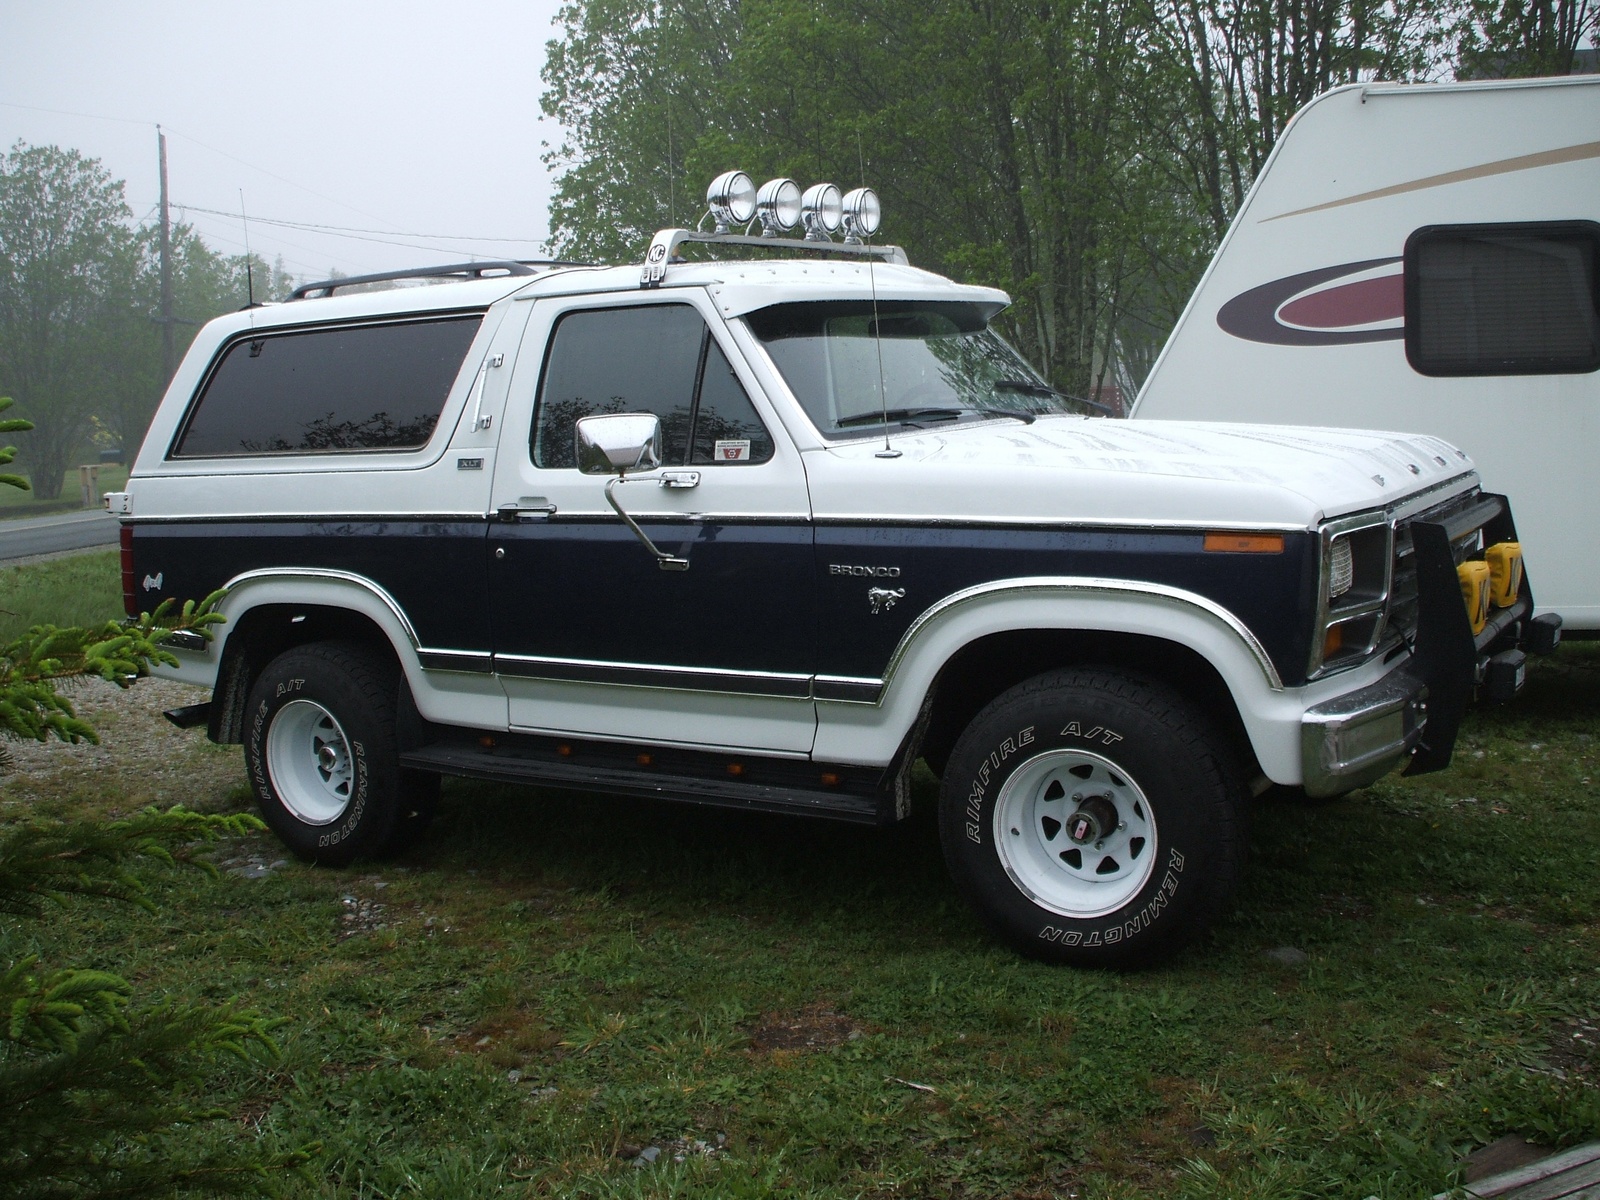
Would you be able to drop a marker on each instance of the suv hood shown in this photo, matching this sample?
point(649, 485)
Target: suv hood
point(1131, 472)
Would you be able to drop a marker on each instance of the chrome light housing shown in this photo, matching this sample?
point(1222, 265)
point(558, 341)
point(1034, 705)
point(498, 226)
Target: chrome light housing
point(821, 209)
point(731, 199)
point(862, 215)
point(778, 202)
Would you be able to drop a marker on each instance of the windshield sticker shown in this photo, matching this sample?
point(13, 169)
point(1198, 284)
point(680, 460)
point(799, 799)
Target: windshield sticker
point(732, 451)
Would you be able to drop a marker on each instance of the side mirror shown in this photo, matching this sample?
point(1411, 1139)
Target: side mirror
point(617, 443)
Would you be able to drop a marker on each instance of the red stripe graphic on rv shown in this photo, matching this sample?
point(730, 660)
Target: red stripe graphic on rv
point(1323, 316)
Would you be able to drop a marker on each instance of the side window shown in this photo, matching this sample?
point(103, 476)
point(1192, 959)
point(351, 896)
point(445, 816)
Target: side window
point(656, 358)
point(726, 428)
point(319, 391)
point(1520, 299)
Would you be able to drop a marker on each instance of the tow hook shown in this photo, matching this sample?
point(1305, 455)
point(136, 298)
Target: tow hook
point(1094, 818)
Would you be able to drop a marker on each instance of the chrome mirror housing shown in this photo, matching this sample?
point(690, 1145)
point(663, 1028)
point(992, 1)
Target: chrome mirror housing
point(616, 443)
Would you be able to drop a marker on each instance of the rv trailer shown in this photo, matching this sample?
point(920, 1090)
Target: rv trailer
point(1423, 258)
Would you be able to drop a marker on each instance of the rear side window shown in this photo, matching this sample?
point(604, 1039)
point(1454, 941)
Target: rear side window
point(657, 358)
point(1518, 299)
point(322, 391)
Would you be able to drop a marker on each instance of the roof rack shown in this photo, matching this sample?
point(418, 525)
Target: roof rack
point(664, 248)
point(476, 270)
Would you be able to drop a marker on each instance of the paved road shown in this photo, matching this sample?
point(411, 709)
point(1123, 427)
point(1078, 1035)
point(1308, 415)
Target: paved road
point(59, 531)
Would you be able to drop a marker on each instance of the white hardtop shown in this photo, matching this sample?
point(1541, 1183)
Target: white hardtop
point(1070, 469)
point(361, 306)
point(738, 288)
point(1299, 319)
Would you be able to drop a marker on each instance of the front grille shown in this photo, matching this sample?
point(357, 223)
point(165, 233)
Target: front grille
point(1403, 607)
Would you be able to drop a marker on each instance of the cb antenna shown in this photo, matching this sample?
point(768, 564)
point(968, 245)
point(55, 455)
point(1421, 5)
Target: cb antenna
point(888, 451)
point(249, 272)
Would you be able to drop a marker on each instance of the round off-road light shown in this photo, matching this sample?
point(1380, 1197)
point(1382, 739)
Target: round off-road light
point(731, 199)
point(862, 214)
point(821, 208)
point(778, 202)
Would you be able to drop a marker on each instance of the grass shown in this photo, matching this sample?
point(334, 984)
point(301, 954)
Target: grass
point(553, 982)
point(16, 503)
point(82, 589)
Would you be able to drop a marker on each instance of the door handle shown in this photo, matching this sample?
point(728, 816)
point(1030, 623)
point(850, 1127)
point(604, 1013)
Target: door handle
point(680, 479)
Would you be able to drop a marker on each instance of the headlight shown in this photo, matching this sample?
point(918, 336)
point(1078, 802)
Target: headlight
point(1357, 566)
point(1341, 569)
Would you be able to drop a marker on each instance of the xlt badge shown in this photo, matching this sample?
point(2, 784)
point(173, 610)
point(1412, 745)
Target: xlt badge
point(873, 572)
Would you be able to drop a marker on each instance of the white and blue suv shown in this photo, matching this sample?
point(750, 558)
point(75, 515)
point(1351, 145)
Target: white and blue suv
point(761, 534)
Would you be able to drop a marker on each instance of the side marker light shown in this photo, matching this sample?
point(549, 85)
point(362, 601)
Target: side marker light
point(1244, 543)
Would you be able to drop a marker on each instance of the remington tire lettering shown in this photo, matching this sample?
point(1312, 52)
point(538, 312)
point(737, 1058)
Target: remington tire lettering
point(1113, 832)
point(321, 754)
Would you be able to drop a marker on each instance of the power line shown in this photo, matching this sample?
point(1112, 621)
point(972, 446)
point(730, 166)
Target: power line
point(366, 237)
point(438, 237)
point(61, 112)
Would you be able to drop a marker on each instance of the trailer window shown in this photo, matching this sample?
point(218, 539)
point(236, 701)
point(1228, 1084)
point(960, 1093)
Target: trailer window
point(1518, 299)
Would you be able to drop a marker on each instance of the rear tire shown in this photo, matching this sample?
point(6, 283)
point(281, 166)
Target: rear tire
point(322, 758)
point(1093, 818)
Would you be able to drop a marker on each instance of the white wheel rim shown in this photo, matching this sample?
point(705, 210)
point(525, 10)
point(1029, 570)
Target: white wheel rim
point(1037, 850)
point(308, 760)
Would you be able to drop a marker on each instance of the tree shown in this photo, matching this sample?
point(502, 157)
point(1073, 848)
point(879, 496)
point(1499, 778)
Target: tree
point(1510, 38)
point(65, 252)
point(95, 1099)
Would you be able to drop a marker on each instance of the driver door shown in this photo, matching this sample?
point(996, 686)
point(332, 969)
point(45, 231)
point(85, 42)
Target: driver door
point(591, 638)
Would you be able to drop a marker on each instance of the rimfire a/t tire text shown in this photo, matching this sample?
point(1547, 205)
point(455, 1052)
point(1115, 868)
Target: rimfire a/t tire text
point(1092, 818)
point(320, 751)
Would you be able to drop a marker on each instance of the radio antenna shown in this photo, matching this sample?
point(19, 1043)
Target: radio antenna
point(249, 272)
point(888, 451)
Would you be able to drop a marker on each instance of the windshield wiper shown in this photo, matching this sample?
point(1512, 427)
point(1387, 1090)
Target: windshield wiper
point(1029, 388)
point(1027, 418)
point(899, 414)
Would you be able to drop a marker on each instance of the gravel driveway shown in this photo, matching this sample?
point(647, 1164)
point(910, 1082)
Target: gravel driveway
point(142, 758)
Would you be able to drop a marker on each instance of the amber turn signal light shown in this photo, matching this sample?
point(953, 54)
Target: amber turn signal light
point(1475, 584)
point(1244, 543)
point(1505, 572)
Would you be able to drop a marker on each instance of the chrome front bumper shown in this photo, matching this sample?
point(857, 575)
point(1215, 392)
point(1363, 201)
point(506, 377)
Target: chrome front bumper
point(1356, 739)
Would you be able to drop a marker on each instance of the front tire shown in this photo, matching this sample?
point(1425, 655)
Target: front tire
point(322, 757)
point(1093, 818)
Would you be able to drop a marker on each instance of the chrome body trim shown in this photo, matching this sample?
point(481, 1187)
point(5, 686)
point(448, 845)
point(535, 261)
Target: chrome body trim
point(266, 574)
point(653, 675)
point(1073, 585)
point(1063, 523)
point(476, 661)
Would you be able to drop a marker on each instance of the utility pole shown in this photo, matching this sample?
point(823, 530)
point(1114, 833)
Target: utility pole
point(166, 319)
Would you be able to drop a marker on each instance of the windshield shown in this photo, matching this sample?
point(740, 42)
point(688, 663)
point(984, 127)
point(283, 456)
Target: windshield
point(941, 363)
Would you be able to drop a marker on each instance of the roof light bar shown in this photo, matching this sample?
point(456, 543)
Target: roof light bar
point(821, 209)
point(731, 199)
point(778, 202)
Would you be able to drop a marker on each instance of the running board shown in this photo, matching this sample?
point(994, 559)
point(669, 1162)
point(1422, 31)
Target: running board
point(505, 764)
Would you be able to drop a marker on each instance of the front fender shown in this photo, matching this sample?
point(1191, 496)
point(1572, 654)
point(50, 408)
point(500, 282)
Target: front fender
point(868, 727)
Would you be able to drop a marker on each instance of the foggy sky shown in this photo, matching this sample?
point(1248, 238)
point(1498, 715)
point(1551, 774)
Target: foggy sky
point(400, 117)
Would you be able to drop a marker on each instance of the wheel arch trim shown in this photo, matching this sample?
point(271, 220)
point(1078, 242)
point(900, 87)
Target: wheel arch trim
point(1079, 586)
point(869, 729)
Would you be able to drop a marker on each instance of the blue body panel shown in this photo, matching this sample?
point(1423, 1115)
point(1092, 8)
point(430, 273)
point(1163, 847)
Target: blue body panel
point(759, 596)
